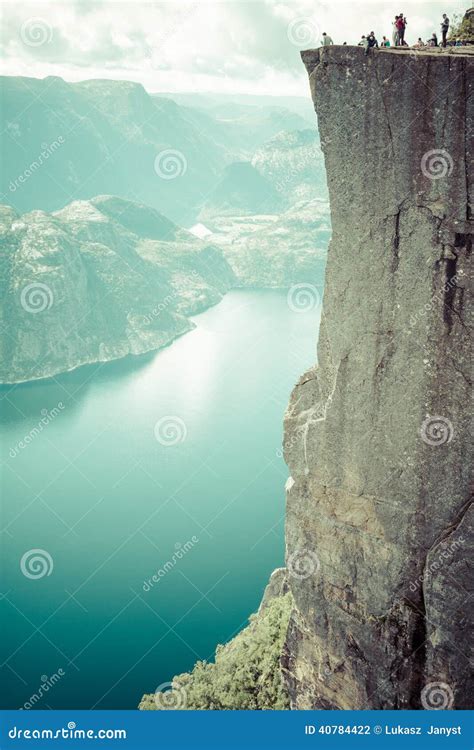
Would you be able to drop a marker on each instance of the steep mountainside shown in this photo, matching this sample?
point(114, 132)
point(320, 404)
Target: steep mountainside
point(65, 141)
point(96, 281)
point(379, 522)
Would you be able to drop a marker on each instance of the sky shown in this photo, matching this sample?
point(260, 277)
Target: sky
point(224, 46)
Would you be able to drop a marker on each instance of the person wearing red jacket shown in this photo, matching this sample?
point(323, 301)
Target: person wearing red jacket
point(401, 26)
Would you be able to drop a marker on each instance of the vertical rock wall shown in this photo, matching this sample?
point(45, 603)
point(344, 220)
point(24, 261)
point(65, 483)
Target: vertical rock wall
point(376, 436)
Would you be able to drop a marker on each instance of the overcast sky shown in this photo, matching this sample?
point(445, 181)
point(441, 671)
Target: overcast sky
point(223, 46)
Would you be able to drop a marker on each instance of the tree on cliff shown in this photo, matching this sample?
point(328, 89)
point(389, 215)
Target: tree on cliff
point(245, 675)
point(462, 27)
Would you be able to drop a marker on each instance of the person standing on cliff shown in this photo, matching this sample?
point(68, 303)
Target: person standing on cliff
point(395, 32)
point(326, 40)
point(445, 29)
point(401, 26)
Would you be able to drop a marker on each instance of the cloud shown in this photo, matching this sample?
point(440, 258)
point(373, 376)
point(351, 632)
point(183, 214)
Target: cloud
point(224, 45)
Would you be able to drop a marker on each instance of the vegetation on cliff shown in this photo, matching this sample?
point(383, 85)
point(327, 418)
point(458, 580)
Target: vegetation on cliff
point(246, 672)
point(462, 27)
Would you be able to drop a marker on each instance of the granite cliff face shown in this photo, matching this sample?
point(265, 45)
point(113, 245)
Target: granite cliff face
point(376, 436)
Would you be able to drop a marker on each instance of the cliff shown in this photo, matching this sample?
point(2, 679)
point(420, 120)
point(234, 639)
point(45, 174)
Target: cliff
point(376, 436)
point(379, 517)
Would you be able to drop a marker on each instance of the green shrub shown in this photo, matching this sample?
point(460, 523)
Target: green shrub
point(246, 672)
point(462, 27)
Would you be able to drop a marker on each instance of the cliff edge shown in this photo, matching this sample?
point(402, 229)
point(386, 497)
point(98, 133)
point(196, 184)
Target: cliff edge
point(376, 436)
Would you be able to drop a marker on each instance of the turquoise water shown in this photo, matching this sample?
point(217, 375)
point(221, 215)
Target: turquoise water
point(115, 497)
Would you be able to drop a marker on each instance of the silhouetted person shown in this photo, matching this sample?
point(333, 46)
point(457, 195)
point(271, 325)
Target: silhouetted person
point(433, 42)
point(445, 29)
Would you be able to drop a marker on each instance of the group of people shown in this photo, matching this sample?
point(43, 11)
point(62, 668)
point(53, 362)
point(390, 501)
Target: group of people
point(433, 40)
point(398, 36)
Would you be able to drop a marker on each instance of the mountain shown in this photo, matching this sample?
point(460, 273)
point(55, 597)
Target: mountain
point(244, 190)
point(242, 128)
point(96, 281)
point(104, 278)
point(68, 141)
point(275, 250)
point(242, 105)
point(224, 162)
point(292, 161)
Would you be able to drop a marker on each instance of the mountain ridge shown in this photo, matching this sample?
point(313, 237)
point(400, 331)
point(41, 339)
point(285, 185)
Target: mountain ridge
point(81, 287)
